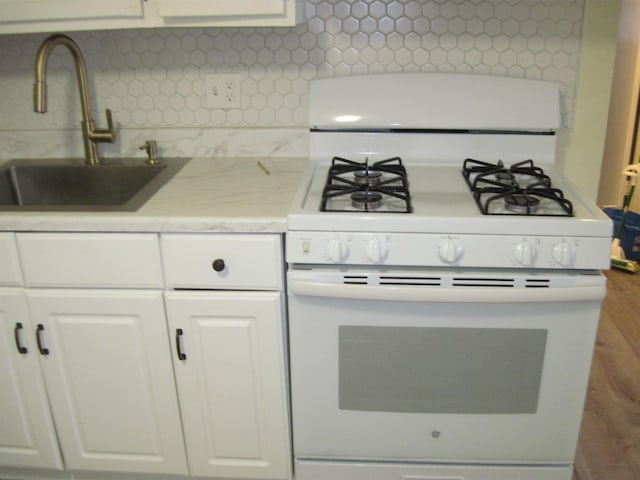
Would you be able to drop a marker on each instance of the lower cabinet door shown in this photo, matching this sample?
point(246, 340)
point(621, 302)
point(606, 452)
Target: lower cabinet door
point(27, 435)
point(107, 367)
point(230, 370)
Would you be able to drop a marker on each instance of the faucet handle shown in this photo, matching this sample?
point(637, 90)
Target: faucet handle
point(103, 134)
point(110, 126)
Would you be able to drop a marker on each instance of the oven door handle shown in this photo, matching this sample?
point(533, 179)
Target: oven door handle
point(446, 295)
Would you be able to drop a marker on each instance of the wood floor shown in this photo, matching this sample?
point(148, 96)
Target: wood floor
point(609, 445)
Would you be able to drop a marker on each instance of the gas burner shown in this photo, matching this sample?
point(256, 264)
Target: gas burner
point(359, 186)
point(366, 200)
point(503, 176)
point(367, 176)
point(523, 189)
point(521, 203)
point(521, 174)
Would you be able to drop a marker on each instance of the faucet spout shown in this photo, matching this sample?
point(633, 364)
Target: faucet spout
point(91, 135)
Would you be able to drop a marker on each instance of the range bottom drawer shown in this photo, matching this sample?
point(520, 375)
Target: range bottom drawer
point(322, 470)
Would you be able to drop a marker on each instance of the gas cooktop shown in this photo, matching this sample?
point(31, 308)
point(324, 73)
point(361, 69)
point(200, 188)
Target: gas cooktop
point(383, 187)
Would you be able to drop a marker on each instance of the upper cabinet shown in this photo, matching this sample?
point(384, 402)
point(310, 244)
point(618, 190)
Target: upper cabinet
point(49, 10)
point(228, 12)
point(23, 16)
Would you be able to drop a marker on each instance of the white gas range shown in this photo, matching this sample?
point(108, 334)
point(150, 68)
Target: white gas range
point(445, 225)
point(444, 285)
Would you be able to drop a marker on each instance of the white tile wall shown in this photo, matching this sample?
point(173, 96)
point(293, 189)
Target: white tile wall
point(155, 78)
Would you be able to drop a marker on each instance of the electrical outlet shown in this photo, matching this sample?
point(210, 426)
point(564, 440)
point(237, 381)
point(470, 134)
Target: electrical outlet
point(223, 90)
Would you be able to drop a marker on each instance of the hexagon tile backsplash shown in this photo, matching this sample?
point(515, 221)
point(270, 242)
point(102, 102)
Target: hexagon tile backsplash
point(156, 78)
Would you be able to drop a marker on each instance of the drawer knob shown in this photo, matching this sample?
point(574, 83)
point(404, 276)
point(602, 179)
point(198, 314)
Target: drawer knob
point(218, 264)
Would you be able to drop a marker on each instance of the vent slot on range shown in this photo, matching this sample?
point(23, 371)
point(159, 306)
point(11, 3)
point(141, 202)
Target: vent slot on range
point(355, 280)
point(392, 280)
point(483, 282)
point(411, 281)
point(537, 283)
point(501, 282)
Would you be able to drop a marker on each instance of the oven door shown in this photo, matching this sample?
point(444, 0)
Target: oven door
point(415, 370)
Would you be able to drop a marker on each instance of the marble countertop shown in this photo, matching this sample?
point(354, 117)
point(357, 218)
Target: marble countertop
point(206, 195)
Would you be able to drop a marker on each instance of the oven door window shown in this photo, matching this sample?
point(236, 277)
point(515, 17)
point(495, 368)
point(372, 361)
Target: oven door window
point(440, 370)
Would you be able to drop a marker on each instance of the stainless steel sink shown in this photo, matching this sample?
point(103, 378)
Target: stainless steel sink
point(71, 185)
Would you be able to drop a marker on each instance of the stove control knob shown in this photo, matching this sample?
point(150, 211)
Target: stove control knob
point(337, 249)
point(449, 250)
point(376, 250)
point(525, 253)
point(563, 253)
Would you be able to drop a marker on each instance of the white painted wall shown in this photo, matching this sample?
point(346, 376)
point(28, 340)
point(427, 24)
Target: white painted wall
point(582, 145)
point(624, 99)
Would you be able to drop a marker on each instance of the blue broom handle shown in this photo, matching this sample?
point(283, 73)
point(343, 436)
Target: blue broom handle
point(625, 210)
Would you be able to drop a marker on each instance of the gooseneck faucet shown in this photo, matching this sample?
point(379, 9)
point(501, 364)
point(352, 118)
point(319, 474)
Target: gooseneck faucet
point(91, 135)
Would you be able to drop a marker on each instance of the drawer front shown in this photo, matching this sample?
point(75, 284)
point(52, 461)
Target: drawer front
point(10, 263)
point(111, 260)
point(221, 261)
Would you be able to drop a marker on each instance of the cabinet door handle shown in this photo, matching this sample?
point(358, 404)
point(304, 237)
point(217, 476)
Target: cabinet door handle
point(16, 337)
point(181, 354)
point(39, 330)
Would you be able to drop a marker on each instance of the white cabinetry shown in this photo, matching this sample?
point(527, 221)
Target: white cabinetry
point(85, 344)
point(27, 435)
point(103, 349)
point(48, 10)
point(229, 354)
point(230, 12)
point(19, 16)
point(231, 382)
point(10, 273)
point(227, 262)
point(108, 373)
point(90, 260)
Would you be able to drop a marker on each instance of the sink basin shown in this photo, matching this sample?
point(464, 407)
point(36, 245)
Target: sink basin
point(71, 185)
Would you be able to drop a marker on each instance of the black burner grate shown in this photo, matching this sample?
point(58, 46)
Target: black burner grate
point(520, 189)
point(367, 185)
